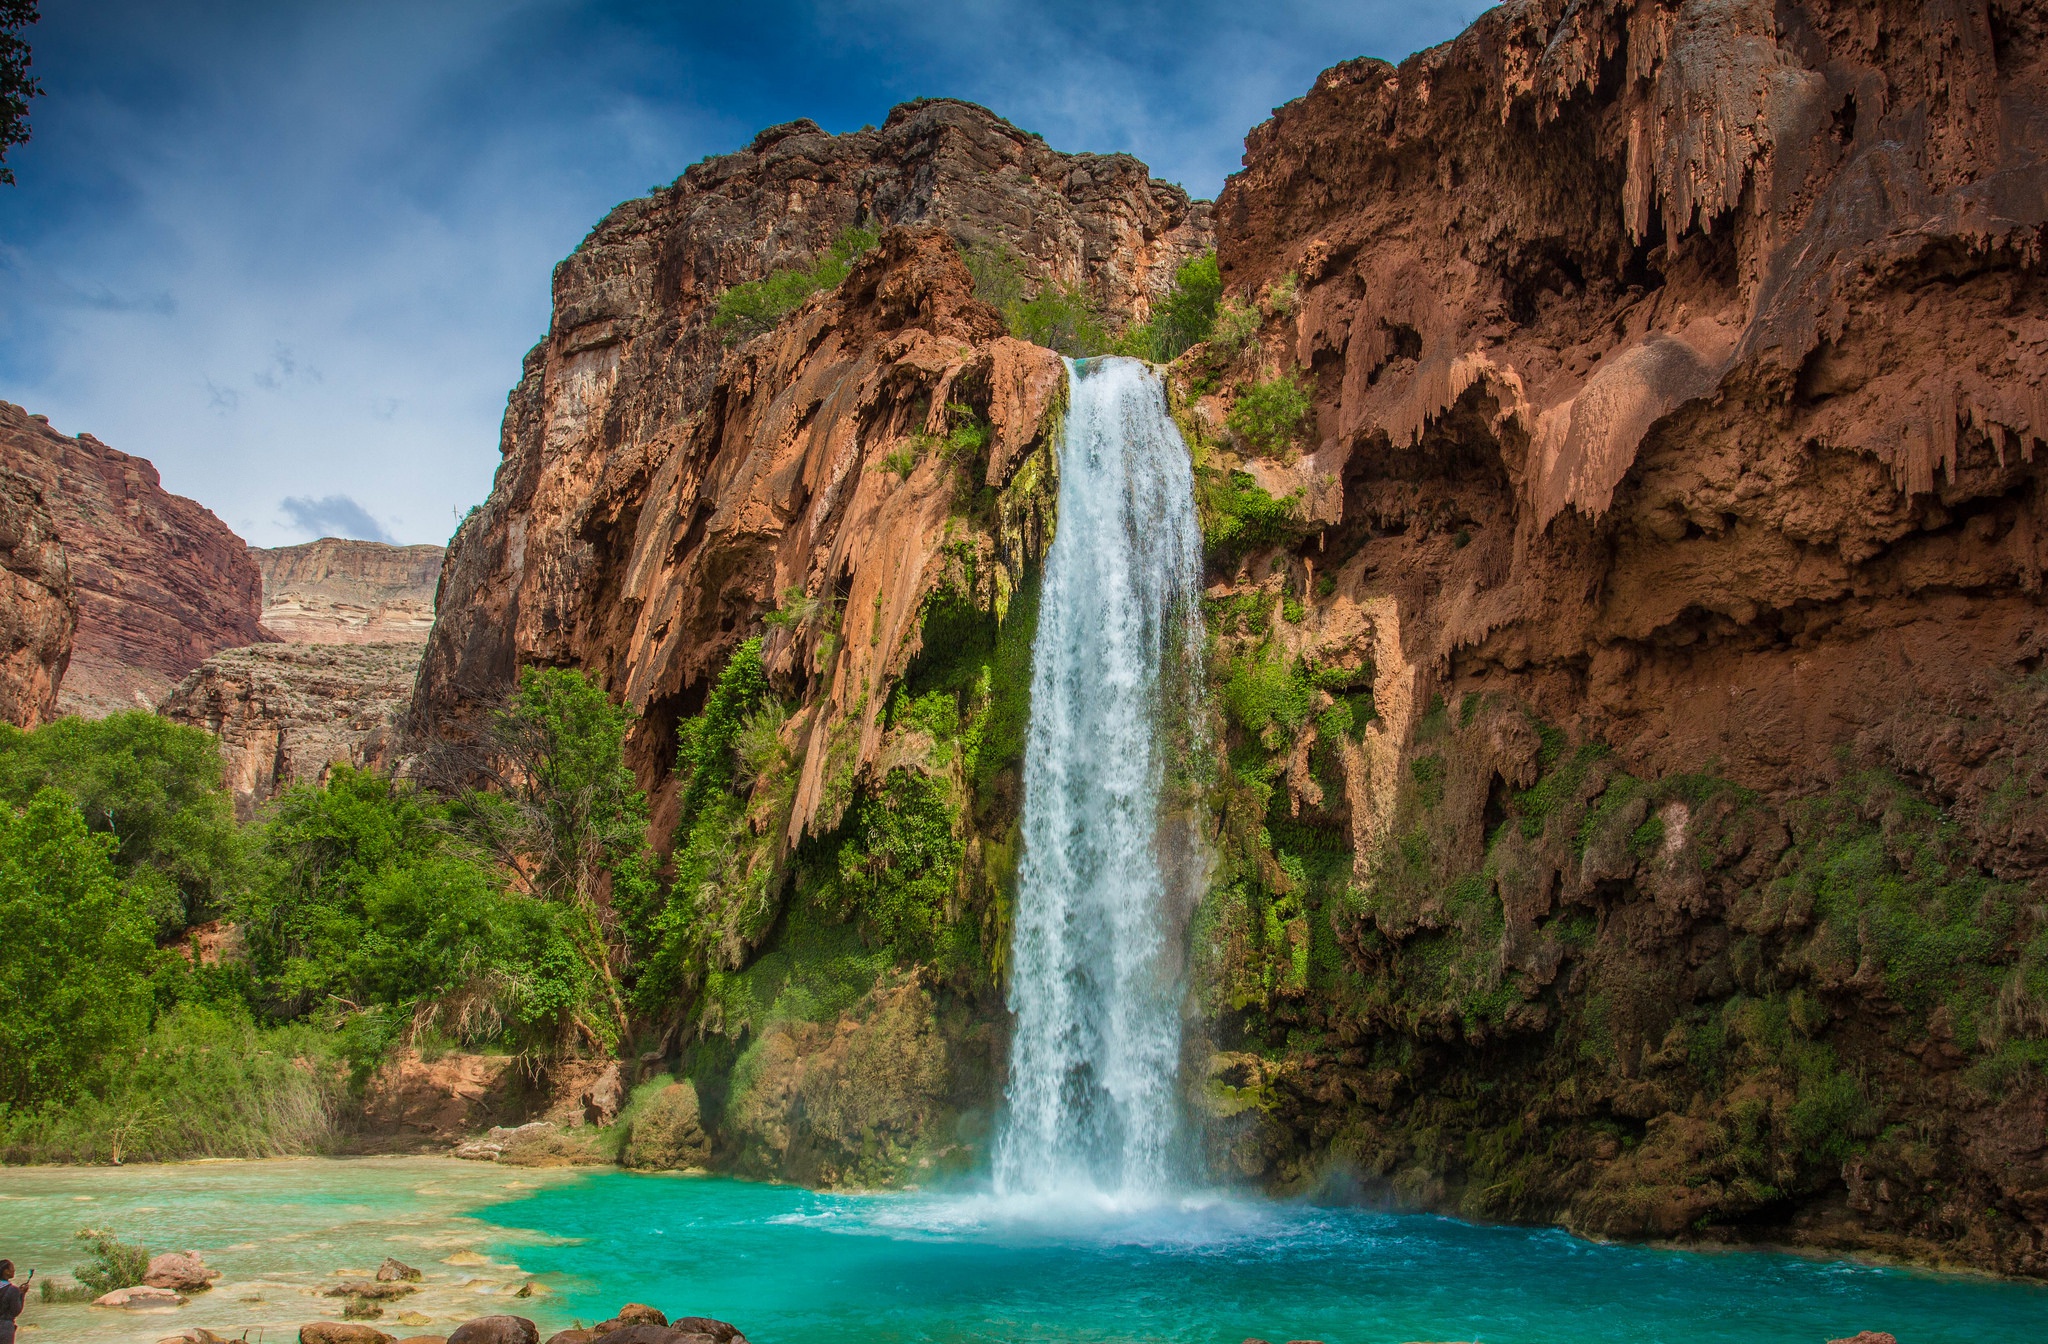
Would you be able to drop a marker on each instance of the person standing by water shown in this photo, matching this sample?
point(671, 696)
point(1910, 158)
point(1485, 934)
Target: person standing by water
point(11, 1298)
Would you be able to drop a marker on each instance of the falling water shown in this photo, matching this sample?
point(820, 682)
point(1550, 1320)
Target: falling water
point(1091, 1103)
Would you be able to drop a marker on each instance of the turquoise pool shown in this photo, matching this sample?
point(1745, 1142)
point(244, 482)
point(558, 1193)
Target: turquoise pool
point(791, 1266)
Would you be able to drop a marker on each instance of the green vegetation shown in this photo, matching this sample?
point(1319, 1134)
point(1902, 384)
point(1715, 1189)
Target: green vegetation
point(151, 787)
point(114, 1264)
point(17, 86)
point(365, 913)
point(1268, 415)
point(79, 953)
point(755, 306)
point(1239, 518)
point(1066, 319)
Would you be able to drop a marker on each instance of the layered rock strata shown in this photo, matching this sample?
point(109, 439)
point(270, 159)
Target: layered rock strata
point(160, 582)
point(1656, 844)
point(38, 608)
point(287, 713)
point(340, 591)
point(607, 438)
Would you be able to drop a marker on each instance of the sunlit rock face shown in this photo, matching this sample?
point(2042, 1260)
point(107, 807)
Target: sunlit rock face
point(340, 591)
point(160, 582)
point(607, 536)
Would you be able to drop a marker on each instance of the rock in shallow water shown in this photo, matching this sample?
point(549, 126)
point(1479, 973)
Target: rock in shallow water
point(180, 1271)
point(341, 1332)
point(140, 1297)
point(496, 1330)
point(394, 1270)
point(370, 1290)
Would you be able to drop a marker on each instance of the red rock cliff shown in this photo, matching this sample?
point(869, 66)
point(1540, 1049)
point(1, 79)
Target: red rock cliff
point(38, 609)
point(602, 442)
point(1719, 330)
point(339, 591)
point(1664, 580)
point(161, 583)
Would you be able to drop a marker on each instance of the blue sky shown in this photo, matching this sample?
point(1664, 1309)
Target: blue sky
point(292, 253)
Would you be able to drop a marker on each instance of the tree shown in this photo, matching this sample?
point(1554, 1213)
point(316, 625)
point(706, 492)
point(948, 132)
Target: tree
point(567, 820)
point(75, 977)
point(155, 787)
point(17, 86)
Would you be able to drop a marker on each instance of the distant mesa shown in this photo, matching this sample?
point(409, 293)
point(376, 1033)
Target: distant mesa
point(338, 591)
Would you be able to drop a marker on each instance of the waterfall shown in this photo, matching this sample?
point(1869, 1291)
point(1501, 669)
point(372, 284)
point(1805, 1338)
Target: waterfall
point(1091, 1105)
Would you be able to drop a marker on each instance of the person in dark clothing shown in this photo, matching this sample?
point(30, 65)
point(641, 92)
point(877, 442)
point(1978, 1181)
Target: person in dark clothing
point(11, 1298)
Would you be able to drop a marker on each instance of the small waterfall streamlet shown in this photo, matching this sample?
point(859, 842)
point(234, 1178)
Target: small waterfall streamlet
point(1092, 1106)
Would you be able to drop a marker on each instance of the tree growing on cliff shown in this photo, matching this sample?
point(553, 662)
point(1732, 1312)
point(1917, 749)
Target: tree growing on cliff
point(566, 820)
point(17, 86)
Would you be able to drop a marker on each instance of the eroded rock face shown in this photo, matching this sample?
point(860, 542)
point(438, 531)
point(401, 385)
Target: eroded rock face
point(1716, 330)
point(287, 713)
point(613, 441)
point(339, 591)
point(161, 583)
point(38, 609)
point(1667, 532)
point(779, 484)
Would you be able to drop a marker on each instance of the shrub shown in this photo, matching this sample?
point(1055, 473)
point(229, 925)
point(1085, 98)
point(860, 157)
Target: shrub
point(901, 460)
point(1239, 518)
point(1061, 318)
point(999, 277)
point(755, 306)
point(1188, 313)
point(205, 1082)
point(366, 898)
point(1235, 327)
point(114, 1264)
point(1267, 415)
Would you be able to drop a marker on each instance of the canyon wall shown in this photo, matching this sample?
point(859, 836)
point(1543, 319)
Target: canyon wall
point(38, 608)
point(339, 591)
point(1633, 814)
point(286, 713)
point(351, 618)
point(1625, 671)
point(557, 566)
point(160, 582)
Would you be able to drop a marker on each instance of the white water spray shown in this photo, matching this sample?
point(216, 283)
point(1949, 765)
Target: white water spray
point(1091, 1105)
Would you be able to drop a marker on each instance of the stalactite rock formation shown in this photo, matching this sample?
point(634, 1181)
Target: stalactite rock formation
point(1722, 326)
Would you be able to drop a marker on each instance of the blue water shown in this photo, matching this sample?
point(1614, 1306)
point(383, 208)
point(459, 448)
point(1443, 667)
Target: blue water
point(790, 1266)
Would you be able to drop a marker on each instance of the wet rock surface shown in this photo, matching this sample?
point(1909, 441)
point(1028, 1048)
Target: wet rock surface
point(1661, 533)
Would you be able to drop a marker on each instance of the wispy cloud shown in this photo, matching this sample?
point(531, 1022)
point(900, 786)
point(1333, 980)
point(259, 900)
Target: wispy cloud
point(334, 516)
point(360, 204)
